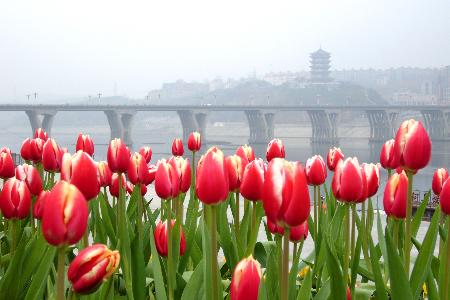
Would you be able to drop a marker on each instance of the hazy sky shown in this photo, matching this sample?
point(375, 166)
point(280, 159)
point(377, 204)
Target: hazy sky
point(76, 48)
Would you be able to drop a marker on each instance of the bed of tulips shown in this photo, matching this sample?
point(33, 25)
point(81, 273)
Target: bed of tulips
point(73, 228)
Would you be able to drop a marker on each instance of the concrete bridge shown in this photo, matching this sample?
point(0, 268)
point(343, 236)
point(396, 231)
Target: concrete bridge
point(261, 118)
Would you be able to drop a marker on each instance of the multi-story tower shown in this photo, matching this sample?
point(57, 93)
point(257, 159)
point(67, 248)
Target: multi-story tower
point(320, 66)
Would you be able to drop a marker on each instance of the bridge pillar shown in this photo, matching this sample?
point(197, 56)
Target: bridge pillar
point(41, 119)
point(437, 123)
point(382, 125)
point(121, 125)
point(193, 121)
point(262, 126)
point(324, 127)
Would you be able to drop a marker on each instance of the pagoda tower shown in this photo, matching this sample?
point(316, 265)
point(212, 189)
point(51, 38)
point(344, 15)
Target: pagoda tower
point(320, 67)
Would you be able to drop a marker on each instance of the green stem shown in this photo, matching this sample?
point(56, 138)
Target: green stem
point(279, 241)
point(236, 215)
point(365, 237)
point(315, 213)
point(169, 255)
point(353, 236)
point(214, 265)
point(346, 242)
point(395, 233)
point(61, 273)
point(285, 266)
point(13, 236)
point(140, 207)
point(389, 173)
point(447, 261)
point(407, 247)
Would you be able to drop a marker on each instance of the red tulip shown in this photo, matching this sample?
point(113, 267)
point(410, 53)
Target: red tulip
point(130, 188)
point(273, 228)
point(118, 156)
point(316, 171)
point(412, 147)
point(299, 233)
point(349, 294)
point(31, 177)
point(15, 199)
point(114, 187)
point(25, 149)
point(372, 174)
point(167, 181)
point(6, 163)
point(151, 173)
point(444, 198)
point(38, 208)
point(161, 238)
point(194, 141)
point(387, 155)
point(104, 174)
point(275, 149)
point(147, 153)
point(51, 156)
point(253, 180)
point(182, 169)
point(92, 266)
point(235, 172)
point(81, 171)
point(286, 195)
point(138, 169)
point(66, 221)
point(36, 148)
point(347, 184)
point(439, 178)
point(177, 147)
point(395, 195)
point(245, 280)
point(85, 144)
point(333, 158)
point(41, 134)
point(246, 154)
point(211, 177)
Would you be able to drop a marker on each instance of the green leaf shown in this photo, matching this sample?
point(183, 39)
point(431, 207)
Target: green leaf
point(417, 219)
point(293, 273)
point(400, 288)
point(324, 292)
point(229, 248)
point(189, 231)
point(36, 288)
point(379, 283)
point(157, 273)
point(193, 287)
point(138, 269)
point(433, 293)
point(305, 290)
point(336, 278)
point(107, 211)
point(381, 243)
point(423, 261)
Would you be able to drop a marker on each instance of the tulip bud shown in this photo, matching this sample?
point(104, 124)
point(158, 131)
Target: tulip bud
point(444, 198)
point(38, 208)
point(286, 195)
point(245, 281)
point(298, 233)
point(275, 149)
point(439, 178)
point(15, 199)
point(235, 172)
point(387, 160)
point(147, 153)
point(372, 174)
point(138, 169)
point(66, 221)
point(51, 156)
point(167, 182)
point(41, 134)
point(177, 147)
point(395, 196)
point(246, 154)
point(333, 158)
point(347, 184)
point(36, 148)
point(6, 163)
point(412, 147)
point(211, 177)
point(85, 144)
point(104, 174)
point(118, 156)
point(253, 180)
point(81, 171)
point(182, 169)
point(25, 149)
point(114, 187)
point(92, 266)
point(31, 177)
point(162, 240)
point(316, 171)
point(194, 141)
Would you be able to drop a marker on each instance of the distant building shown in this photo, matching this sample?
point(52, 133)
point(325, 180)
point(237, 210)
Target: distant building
point(320, 67)
point(179, 89)
point(444, 85)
